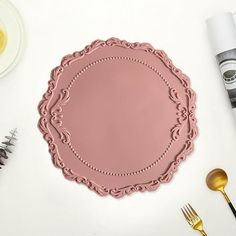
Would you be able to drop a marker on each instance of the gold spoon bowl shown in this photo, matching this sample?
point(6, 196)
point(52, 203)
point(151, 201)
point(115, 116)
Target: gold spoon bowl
point(216, 180)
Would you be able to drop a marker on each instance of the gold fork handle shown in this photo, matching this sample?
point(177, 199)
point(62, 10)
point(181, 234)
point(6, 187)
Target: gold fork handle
point(203, 232)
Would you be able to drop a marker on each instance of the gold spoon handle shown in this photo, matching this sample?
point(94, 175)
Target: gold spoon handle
point(230, 203)
point(226, 196)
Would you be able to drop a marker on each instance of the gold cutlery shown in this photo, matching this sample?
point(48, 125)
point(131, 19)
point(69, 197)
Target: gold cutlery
point(193, 219)
point(216, 180)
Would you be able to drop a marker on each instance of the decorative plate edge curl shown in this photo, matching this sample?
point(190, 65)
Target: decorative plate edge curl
point(147, 186)
point(56, 116)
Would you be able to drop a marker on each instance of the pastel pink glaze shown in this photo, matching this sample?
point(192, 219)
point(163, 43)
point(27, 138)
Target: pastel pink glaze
point(118, 117)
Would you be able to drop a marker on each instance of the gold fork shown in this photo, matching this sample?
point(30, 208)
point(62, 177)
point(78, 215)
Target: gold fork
point(193, 219)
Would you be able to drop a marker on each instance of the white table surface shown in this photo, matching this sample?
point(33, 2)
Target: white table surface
point(36, 200)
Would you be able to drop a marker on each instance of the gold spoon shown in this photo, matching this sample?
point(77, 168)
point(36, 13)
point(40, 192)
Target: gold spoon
point(216, 180)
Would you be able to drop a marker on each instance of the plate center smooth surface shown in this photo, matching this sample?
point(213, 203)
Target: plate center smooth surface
point(121, 114)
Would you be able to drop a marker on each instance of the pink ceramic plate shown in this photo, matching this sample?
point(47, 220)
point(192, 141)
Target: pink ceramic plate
point(118, 117)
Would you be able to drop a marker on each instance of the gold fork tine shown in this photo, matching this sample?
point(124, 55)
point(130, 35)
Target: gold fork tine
point(195, 213)
point(187, 212)
point(191, 213)
point(185, 215)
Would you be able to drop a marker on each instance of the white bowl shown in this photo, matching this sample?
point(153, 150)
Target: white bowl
point(11, 21)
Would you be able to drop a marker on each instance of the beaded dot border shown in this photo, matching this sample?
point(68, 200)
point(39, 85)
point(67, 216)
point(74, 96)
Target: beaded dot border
point(121, 174)
point(70, 144)
point(117, 58)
